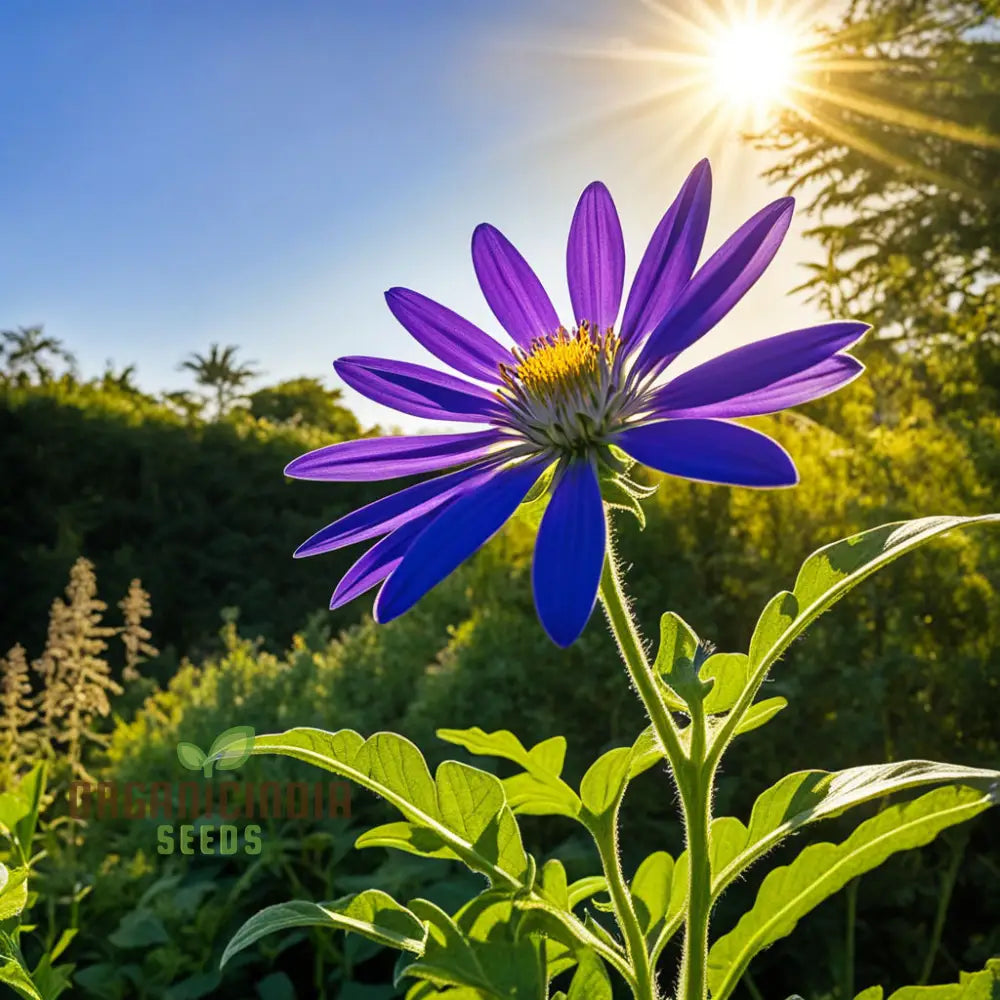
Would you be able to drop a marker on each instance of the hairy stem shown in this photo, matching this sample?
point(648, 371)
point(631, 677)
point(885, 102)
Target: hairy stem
point(695, 781)
point(635, 942)
point(693, 776)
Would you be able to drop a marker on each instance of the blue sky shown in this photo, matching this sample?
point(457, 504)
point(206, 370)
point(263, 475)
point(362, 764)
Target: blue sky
point(177, 173)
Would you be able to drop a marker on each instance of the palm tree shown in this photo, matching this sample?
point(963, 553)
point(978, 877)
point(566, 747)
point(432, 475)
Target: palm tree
point(124, 381)
point(219, 372)
point(25, 348)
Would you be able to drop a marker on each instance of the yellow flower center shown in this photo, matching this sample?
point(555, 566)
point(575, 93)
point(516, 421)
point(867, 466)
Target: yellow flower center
point(562, 363)
point(564, 391)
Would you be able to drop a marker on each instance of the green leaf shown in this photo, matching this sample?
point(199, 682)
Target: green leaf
point(455, 807)
point(409, 837)
point(191, 756)
point(372, 913)
point(394, 763)
point(14, 975)
point(31, 788)
point(727, 840)
point(790, 892)
point(675, 910)
point(139, 929)
point(539, 915)
point(13, 891)
point(833, 570)
point(540, 791)
point(650, 890)
point(604, 783)
point(532, 507)
point(590, 981)
point(675, 662)
point(532, 796)
point(646, 751)
point(232, 748)
point(616, 493)
point(982, 985)
point(810, 796)
point(729, 673)
point(51, 980)
point(554, 884)
point(472, 803)
point(13, 808)
point(778, 616)
point(586, 887)
point(760, 713)
point(477, 949)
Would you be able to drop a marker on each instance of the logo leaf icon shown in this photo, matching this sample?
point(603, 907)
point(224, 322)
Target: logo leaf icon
point(232, 748)
point(190, 756)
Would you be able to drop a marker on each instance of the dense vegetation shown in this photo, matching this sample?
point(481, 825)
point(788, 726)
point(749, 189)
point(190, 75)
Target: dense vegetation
point(189, 497)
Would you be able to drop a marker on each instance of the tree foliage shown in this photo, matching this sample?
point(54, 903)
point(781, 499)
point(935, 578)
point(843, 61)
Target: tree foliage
point(199, 509)
point(894, 136)
point(219, 372)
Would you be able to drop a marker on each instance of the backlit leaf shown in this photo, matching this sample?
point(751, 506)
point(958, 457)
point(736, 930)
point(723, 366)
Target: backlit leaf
point(371, 913)
point(791, 891)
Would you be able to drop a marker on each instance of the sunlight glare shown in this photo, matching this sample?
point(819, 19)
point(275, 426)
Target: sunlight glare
point(754, 62)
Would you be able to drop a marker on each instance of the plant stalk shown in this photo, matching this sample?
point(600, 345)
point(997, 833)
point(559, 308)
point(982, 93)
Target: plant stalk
point(693, 776)
point(695, 782)
point(635, 942)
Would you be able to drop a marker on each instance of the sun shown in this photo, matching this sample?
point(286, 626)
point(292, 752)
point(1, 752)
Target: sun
point(753, 62)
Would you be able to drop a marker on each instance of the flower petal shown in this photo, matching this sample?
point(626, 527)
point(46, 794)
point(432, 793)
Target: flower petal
point(448, 336)
point(595, 258)
point(671, 257)
point(378, 562)
point(821, 379)
point(391, 457)
point(711, 451)
point(467, 523)
point(511, 288)
point(569, 554)
point(420, 391)
point(756, 366)
point(384, 515)
point(724, 279)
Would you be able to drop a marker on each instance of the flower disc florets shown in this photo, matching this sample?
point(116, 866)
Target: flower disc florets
point(565, 389)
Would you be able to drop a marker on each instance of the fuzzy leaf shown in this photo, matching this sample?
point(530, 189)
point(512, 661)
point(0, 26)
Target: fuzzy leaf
point(729, 672)
point(371, 913)
point(759, 714)
point(675, 661)
point(540, 791)
point(457, 807)
point(650, 888)
point(472, 803)
point(602, 786)
point(788, 893)
point(409, 837)
point(13, 891)
point(586, 887)
point(833, 570)
point(810, 796)
point(478, 950)
point(590, 981)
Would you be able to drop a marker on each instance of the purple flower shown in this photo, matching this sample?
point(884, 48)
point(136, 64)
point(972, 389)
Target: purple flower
point(570, 400)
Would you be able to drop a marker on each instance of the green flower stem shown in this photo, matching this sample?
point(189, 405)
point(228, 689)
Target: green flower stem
point(630, 646)
point(694, 775)
point(695, 780)
point(644, 987)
